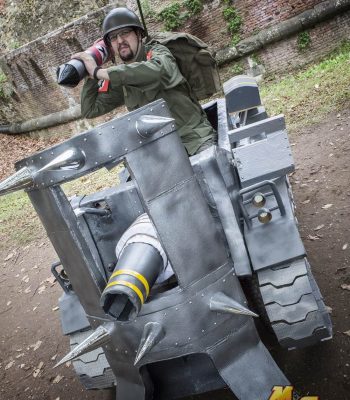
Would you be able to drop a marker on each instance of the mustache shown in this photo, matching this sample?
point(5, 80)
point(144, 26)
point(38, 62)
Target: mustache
point(124, 44)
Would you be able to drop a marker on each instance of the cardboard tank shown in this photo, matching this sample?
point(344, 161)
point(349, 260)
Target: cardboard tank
point(165, 275)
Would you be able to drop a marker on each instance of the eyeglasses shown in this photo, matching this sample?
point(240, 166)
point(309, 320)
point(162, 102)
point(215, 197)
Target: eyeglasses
point(122, 34)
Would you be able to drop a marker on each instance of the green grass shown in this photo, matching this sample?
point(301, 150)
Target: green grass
point(307, 96)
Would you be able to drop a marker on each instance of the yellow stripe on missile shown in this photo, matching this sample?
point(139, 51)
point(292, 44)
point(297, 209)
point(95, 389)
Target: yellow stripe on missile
point(130, 285)
point(137, 275)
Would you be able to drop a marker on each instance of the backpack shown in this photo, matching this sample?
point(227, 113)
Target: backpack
point(194, 60)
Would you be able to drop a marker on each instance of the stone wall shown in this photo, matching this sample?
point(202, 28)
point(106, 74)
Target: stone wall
point(32, 90)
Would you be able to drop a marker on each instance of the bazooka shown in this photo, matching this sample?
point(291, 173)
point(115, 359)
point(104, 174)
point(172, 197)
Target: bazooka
point(72, 72)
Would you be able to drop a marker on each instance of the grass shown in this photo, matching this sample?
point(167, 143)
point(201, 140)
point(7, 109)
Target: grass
point(305, 97)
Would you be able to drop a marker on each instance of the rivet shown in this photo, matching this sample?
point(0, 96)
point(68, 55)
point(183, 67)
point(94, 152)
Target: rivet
point(40, 158)
point(173, 126)
point(126, 351)
point(109, 156)
point(64, 177)
point(176, 344)
point(43, 184)
point(189, 338)
point(214, 323)
point(190, 302)
point(224, 280)
point(165, 314)
point(96, 162)
point(85, 139)
point(125, 149)
point(202, 294)
point(151, 109)
point(128, 119)
point(203, 330)
point(51, 181)
point(32, 161)
point(100, 133)
point(176, 309)
point(163, 105)
point(112, 127)
point(52, 152)
point(140, 141)
point(116, 349)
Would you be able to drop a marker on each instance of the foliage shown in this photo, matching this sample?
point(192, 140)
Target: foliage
point(3, 79)
point(304, 40)
point(256, 59)
point(237, 69)
point(234, 22)
point(307, 96)
point(146, 8)
point(174, 15)
point(171, 16)
point(194, 6)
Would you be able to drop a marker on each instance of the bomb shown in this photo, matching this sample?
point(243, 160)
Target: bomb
point(72, 72)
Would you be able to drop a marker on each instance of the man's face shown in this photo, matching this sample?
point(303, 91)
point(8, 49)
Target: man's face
point(125, 43)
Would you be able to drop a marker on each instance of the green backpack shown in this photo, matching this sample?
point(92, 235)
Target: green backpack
point(195, 62)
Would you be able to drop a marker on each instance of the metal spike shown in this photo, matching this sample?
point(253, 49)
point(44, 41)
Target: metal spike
point(148, 125)
point(153, 333)
point(222, 303)
point(68, 160)
point(99, 337)
point(21, 179)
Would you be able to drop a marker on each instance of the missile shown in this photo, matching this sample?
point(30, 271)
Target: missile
point(72, 72)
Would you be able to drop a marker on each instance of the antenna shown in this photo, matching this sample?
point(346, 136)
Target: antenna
point(142, 18)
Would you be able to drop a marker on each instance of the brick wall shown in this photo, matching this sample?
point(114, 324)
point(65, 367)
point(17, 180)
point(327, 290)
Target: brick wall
point(325, 37)
point(262, 14)
point(31, 68)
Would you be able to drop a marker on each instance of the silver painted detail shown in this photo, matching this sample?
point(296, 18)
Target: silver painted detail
point(153, 333)
point(21, 179)
point(71, 159)
point(148, 125)
point(220, 302)
point(98, 338)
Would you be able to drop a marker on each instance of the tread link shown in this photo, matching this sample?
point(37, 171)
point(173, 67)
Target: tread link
point(92, 368)
point(294, 305)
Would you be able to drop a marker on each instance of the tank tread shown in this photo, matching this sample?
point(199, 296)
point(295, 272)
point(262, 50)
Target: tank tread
point(92, 368)
point(294, 305)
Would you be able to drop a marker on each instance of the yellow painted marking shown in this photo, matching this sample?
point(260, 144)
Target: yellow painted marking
point(137, 275)
point(130, 285)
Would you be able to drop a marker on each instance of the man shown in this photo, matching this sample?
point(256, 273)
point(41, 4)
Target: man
point(148, 73)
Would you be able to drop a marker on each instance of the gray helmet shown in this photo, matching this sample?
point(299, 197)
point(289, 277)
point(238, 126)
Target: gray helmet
point(120, 18)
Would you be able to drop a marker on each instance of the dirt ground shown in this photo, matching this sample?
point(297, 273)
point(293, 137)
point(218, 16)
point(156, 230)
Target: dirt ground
point(30, 334)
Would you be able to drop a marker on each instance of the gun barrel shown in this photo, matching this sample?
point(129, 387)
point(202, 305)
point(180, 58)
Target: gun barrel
point(128, 287)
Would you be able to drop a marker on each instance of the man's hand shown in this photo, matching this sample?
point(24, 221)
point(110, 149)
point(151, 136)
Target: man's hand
point(90, 65)
point(88, 60)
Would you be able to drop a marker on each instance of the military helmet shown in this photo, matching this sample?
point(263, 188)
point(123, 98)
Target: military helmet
point(120, 17)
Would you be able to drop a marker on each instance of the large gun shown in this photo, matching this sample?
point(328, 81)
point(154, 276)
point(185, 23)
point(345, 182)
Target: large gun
point(72, 72)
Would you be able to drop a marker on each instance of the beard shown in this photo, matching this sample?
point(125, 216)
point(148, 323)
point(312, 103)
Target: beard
point(126, 56)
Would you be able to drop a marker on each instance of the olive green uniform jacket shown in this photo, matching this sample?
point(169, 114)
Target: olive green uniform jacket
point(154, 76)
